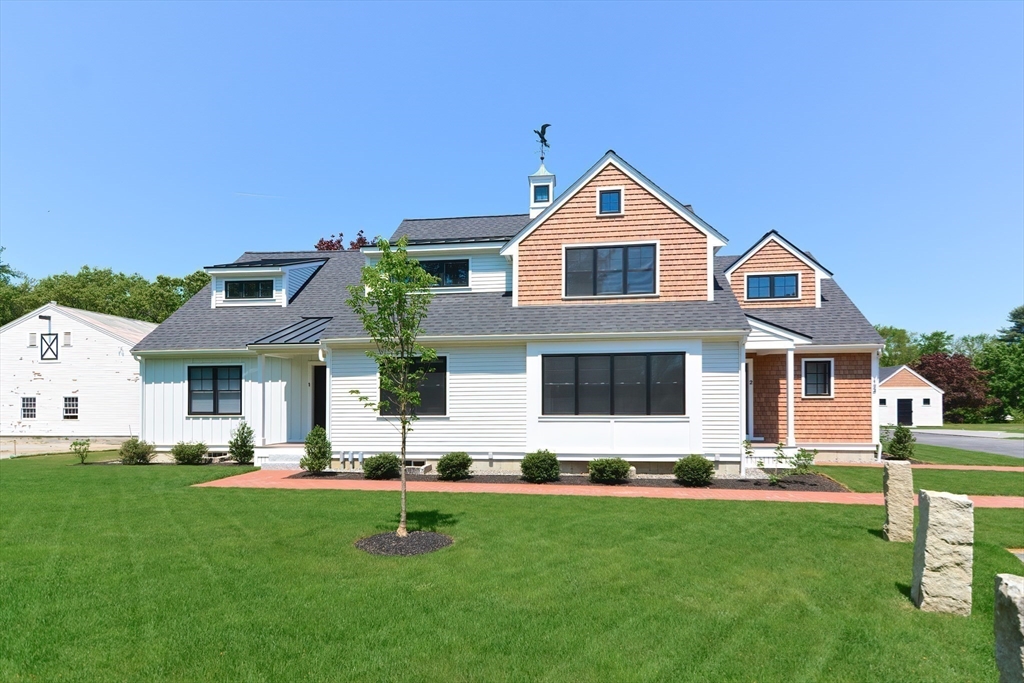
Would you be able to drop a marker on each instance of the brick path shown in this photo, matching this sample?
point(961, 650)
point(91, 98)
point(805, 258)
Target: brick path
point(923, 466)
point(278, 479)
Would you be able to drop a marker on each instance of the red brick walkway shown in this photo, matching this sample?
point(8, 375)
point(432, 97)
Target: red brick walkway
point(278, 479)
point(922, 466)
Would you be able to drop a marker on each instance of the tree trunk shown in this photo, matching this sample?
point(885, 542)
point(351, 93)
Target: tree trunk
point(402, 531)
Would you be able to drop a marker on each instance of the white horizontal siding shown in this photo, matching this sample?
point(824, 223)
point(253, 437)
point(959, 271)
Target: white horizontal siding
point(297, 277)
point(720, 387)
point(486, 405)
point(490, 273)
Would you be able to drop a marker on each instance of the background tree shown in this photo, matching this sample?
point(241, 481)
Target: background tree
point(1004, 363)
point(1015, 332)
point(900, 348)
point(331, 243)
point(934, 342)
point(359, 241)
point(391, 300)
point(966, 387)
point(970, 345)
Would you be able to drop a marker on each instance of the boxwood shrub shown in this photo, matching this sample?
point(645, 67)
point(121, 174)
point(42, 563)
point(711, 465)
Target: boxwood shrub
point(383, 466)
point(454, 466)
point(187, 453)
point(540, 466)
point(135, 452)
point(608, 470)
point(318, 451)
point(694, 470)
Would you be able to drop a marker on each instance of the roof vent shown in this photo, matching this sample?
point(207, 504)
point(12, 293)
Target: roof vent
point(688, 207)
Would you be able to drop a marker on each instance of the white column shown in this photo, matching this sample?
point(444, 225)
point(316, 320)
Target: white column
point(142, 403)
point(874, 404)
point(790, 432)
point(261, 362)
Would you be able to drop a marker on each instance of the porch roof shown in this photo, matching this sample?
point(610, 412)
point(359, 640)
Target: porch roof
point(305, 331)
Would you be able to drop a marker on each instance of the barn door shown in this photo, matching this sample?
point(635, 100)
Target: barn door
point(905, 411)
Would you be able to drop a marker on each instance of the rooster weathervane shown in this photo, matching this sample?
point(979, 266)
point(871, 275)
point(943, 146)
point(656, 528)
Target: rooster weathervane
point(542, 138)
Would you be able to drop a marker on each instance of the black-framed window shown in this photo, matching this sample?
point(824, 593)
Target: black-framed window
point(433, 388)
point(215, 390)
point(449, 273)
point(541, 193)
point(772, 286)
point(609, 201)
point(48, 346)
point(610, 271)
point(614, 384)
point(926, 401)
point(249, 289)
point(28, 407)
point(818, 378)
point(70, 407)
point(881, 402)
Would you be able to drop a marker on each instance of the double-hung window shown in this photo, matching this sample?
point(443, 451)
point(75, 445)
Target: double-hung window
point(249, 289)
point(433, 388)
point(449, 273)
point(28, 407)
point(610, 271)
point(614, 384)
point(818, 378)
point(70, 407)
point(772, 286)
point(215, 390)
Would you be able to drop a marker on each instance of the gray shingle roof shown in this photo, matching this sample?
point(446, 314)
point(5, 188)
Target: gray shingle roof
point(461, 229)
point(886, 373)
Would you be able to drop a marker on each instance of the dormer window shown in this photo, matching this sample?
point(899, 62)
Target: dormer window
point(773, 286)
point(449, 273)
point(249, 289)
point(609, 201)
point(610, 271)
point(541, 194)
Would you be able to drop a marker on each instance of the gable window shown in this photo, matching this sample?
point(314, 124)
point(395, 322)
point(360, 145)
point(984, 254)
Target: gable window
point(881, 401)
point(609, 201)
point(70, 407)
point(926, 401)
point(614, 384)
point(772, 286)
point(433, 388)
point(215, 390)
point(610, 271)
point(48, 346)
point(31, 339)
point(28, 407)
point(818, 378)
point(541, 193)
point(249, 289)
point(67, 339)
point(449, 273)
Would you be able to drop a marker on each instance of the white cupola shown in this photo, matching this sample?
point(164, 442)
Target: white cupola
point(542, 190)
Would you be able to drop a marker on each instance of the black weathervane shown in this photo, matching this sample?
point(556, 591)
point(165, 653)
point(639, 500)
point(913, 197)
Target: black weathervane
point(542, 138)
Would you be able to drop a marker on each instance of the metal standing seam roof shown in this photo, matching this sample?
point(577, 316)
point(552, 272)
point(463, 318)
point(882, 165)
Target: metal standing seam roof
point(306, 331)
point(267, 263)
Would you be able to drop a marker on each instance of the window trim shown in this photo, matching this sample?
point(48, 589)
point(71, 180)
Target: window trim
point(831, 377)
point(799, 287)
point(622, 200)
point(604, 245)
point(34, 408)
point(447, 394)
point(71, 416)
point(54, 346)
point(216, 390)
point(612, 414)
point(882, 402)
point(541, 201)
point(926, 402)
point(234, 299)
point(448, 288)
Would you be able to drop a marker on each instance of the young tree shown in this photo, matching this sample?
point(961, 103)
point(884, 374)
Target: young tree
point(965, 387)
point(1014, 334)
point(391, 300)
point(900, 348)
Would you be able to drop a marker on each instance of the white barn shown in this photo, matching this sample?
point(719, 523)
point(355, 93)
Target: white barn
point(905, 397)
point(65, 372)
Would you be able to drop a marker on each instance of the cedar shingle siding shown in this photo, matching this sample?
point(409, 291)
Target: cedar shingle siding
point(905, 379)
point(683, 254)
point(772, 258)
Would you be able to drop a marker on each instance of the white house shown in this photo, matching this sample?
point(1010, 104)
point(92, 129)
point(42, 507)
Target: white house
point(603, 322)
point(904, 397)
point(65, 372)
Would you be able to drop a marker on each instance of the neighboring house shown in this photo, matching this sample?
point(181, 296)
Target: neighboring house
point(906, 398)
point(601, 323)
point(68, 372)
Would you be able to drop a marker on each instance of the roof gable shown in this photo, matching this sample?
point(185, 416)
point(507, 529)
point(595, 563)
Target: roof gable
point(126, 330)
point(773, 236)
point(885, 374)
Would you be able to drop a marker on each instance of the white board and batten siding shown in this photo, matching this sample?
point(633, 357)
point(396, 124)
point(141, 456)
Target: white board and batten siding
point(722, 396)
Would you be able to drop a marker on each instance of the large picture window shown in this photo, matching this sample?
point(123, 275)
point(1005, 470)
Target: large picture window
point(449, 273)
point(614, 384)
point(215, 390)
point(610, 271)
point(433, 388)
point(818, 378)
point(772, 286)
point(249, 289)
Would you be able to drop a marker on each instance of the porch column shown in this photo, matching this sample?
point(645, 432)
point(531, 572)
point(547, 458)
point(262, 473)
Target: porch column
point(790, 433)
point(261, 363)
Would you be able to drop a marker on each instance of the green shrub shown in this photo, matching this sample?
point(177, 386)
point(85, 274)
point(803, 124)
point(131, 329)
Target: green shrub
point(454, 466)
point(694, 470)
point(241, 448)
point(383, 466)
point(187, 453)
point(318, 451)
point(901, 446)
point(81, 449)
point(608, 470)
point(135, 452)
point(803, 460)
point(540, 466)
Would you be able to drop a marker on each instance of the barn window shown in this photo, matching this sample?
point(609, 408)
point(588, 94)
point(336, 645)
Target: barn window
point(927, 401)
point(28, 407)
point(48, 346)
point(67, 339)
point(70, 407)
point(881, 401)
point(32, 339)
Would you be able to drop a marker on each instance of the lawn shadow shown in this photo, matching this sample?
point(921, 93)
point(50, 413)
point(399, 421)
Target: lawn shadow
point(423, 520)
point(905, 589)
point(877, 532)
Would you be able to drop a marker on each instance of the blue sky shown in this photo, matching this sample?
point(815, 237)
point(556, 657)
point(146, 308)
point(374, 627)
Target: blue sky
point(886, 138)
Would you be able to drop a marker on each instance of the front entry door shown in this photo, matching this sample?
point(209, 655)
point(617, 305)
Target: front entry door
point(905, 411)
point(320, 396)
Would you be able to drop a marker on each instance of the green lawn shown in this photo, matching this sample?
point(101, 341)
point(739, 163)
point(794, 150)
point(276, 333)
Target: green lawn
point(941, 455)
point(128, 573)
point(1011, 427)
point(869, 479)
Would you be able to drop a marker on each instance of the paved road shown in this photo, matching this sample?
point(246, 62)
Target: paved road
point(1011, 447)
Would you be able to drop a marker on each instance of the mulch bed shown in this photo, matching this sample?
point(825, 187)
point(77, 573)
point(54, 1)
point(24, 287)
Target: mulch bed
point(795, 482)
point(416, 543)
